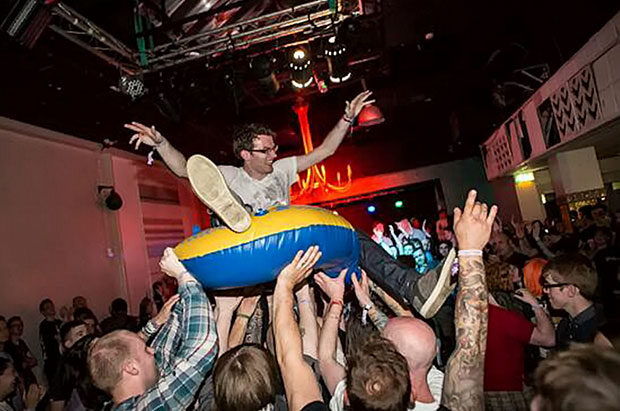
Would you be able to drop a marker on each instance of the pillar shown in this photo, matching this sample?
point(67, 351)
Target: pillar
point(577, 180)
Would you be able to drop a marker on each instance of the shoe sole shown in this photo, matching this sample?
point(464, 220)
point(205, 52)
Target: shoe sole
point(210, 187)
point(442, 289)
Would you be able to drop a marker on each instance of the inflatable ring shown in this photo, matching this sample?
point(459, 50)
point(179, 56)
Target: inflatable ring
point(220, 258)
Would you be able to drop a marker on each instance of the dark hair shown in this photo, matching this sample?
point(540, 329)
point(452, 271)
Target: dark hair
point(119, 305)
point(245, 378)
point(378, 377)
point(244, 135)
point(43, 302)
point(73, 374)
point(4, 364)
point(574, 269)
point(66, 328)
point(14, 319)
point(585, 378)
point(84, 313)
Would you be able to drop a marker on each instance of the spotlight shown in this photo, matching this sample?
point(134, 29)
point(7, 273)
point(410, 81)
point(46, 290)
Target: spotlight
point(371, 209)
point(133, 86)
point(337, 63)
point(262, 70)
point(110, 197)
point(301, 67)
point(398, 204)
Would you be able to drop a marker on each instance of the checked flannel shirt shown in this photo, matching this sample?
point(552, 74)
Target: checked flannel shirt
point(185, 350)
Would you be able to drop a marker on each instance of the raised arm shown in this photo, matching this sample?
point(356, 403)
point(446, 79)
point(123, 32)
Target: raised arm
point(225, 306)
point(195, 355)
point(244, 314)
point(308, 326)
point(464, 378)
point(299, 382)
point(173, 158)
point(335, 137)
point(331, 370)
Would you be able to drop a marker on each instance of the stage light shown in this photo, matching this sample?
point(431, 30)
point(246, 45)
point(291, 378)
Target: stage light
point(301, 68)
point(262, 70)
point(524, 177)
point(369, 116)
point(337, 64)
point(398, 204)
point(371, 209)
point(133, 86)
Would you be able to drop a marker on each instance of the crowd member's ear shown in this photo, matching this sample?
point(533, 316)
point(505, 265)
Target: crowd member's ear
point(573, 291)
point(131, 367)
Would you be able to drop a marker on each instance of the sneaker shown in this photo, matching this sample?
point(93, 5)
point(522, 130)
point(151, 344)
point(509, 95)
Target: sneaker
point(210, 187)
point(431, 290)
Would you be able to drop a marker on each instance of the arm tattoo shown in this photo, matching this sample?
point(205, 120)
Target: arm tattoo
point(464, 379)
point(377, 317)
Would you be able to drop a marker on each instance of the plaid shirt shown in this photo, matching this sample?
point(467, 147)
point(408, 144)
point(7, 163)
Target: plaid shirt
point(185, 349)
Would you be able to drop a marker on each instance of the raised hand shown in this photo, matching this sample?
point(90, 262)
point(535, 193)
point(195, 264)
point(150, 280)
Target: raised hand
point(524, 295)
point(332, 287)
point(147, 135)
point(170, 264)
point(248, 305)
point(164, 313)
point(473, 225)
point(362, 289)
point(359, 102)
point(300, 267)
point(226, 303)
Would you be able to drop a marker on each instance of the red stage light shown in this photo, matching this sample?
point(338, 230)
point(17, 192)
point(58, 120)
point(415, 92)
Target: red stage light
point(370, 116)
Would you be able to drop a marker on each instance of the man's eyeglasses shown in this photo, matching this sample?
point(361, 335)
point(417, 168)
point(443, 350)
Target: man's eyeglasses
point(273, 150)
point(547, 286)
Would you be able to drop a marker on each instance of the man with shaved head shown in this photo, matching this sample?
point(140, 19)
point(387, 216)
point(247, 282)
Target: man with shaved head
point(416, 341)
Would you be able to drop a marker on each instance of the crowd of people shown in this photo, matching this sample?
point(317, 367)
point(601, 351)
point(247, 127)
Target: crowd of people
point(471, 329)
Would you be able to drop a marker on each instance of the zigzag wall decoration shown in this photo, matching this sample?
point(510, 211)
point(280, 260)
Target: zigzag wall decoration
point(585, 96)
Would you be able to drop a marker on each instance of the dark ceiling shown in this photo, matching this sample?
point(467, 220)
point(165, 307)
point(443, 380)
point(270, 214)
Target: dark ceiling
point(436, 94)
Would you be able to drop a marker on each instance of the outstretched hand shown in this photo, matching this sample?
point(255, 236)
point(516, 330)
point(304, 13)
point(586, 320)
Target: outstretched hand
point(362, 289)
point(300, 267)
point(473, 225)
point(147, 135)
point(360, 101)
point(332, 287)
point(164, 313)
point(171, 265)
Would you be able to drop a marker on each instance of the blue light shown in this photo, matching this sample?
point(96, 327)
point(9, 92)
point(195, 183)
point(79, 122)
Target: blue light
point(372, 209)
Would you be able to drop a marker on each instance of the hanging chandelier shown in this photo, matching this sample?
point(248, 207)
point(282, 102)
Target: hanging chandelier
point(314, 178)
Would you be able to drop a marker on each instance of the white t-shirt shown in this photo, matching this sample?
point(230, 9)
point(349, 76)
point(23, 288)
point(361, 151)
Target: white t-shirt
point(434, 379)
point(273, 190)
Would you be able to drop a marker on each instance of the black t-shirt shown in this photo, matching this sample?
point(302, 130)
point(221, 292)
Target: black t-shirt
point(315, 406)
point(49, 336)
point(581, 329)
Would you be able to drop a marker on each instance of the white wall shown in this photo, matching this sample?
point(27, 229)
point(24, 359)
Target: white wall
point(55, 235)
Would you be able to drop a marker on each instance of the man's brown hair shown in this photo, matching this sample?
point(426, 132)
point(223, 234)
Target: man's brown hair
point(244, 135)
point(585, 378)
point(574, 269)
point(378, 377)
point(498, 277)
point(106, 357)
point(245, 378)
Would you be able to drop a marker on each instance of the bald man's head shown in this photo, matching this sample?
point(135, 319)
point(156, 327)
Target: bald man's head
point(415, 340)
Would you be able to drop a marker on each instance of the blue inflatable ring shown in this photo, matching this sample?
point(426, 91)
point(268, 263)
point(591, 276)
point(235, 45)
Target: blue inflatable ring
point(220, 258)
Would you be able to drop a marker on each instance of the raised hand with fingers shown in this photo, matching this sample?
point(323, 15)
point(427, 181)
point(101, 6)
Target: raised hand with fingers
point(147, 135)
point(332, 287)
point(164, 313)
point(300, 267)
point(360, 101)
point(362, 289)
point(474, 223)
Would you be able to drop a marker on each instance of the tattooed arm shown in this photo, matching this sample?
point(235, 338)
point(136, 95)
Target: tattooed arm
point(394, 305)
point(464, 379)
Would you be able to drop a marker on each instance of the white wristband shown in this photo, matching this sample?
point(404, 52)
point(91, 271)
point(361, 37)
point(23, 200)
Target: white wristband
point(470, 253)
